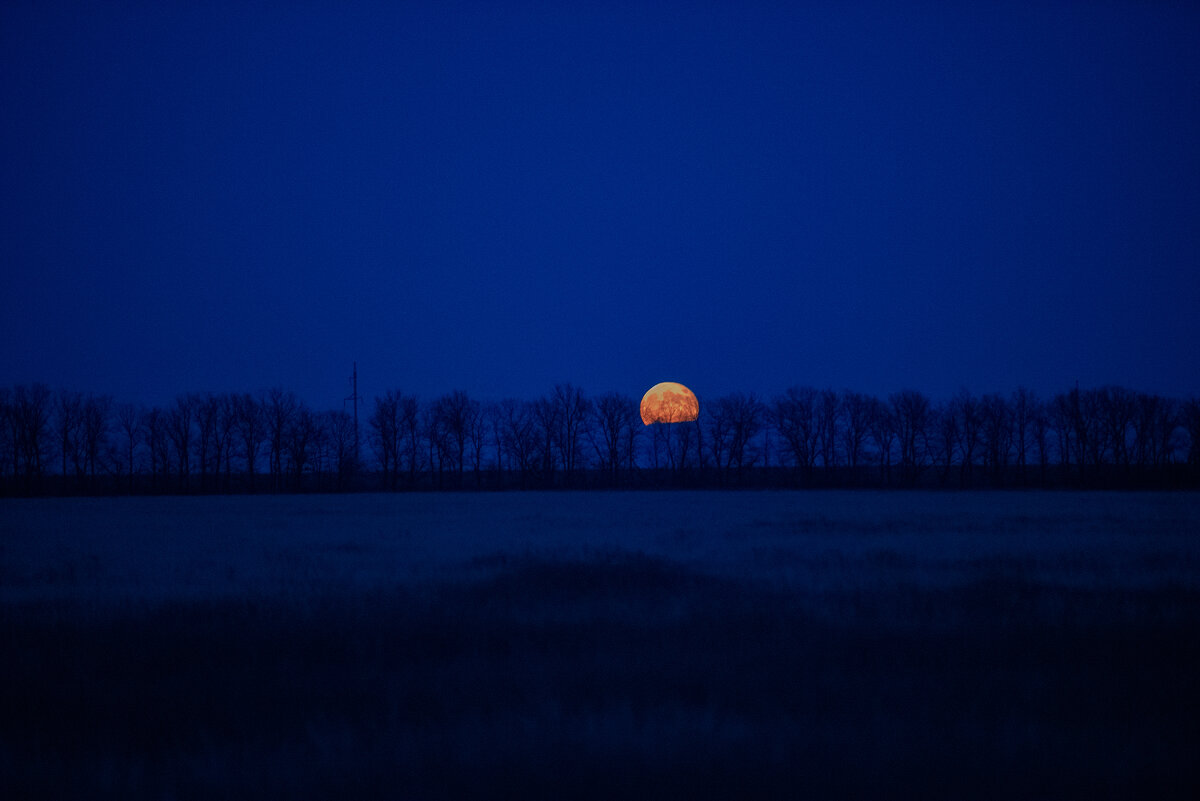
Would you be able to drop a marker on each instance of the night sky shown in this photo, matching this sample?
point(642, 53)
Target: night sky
point(499, 197)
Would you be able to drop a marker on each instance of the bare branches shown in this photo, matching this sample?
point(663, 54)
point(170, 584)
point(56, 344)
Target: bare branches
point(1109, 436)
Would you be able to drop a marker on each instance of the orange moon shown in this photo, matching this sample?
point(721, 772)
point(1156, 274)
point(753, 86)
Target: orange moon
point(669, 402)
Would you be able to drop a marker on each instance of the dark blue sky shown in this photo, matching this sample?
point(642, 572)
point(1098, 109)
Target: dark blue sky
point(502, 196)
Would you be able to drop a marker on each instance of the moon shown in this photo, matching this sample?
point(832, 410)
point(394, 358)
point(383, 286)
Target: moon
point(669, 402)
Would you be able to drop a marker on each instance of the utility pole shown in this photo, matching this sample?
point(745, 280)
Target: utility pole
point(354, 397)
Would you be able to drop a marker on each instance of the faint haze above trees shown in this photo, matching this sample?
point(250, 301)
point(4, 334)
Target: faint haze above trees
point(69, 442)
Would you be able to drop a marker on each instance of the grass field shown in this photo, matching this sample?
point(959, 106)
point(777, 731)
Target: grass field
point(713, 645)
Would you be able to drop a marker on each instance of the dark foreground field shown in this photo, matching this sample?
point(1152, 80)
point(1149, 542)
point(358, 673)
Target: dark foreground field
point(1047, 667)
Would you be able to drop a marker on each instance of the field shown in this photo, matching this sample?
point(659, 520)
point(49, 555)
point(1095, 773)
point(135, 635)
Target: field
point(596, 645)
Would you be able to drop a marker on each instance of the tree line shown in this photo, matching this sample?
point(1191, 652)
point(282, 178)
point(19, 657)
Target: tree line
point(69, 442)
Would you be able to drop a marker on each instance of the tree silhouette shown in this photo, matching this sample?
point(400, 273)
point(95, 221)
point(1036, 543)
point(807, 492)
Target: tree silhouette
point(179, 431)
point(384, 435)
point(226, 434)
point(968, 423)
point(997, 434)
point(1104, 437)
point(208, 447)
point(339, 429)
point(433, 432)
point(129, 424)
point(1118, 407)
point(454, 418)
point(1191, 420)
point(251, 430)
point(1040, 428)
point(154, 424)
point(571, 417)
point(794, 415)
point(944, 438)
point(883, 435)
point(69, 431)
point(96, 412)
point(733, 423)
point(720, 435)
point(300, 437)
point(30, 415)
point(829, 415)
point(278, 407)
point(545, 414)
point(518, 436)
point(1023, 405)
point(857, 417)
point(613, 415)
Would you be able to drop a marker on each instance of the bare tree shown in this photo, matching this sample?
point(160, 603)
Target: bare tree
point(384, 434)
point(409, 422)
point(278, 407)
point(518, 436)
point(208, 448)
point(455, 415)
point(1062, 415)
point(493, 418)
point(1191, 422)
point(1040, 436)
point(911, 411)
point(1023, 405)
point(720, 431)
point(96, 410)
point(633, 438)
point(856, 410)
point(179, 431)
point(300, 438)
point(571, 413)
point(227, 428)
point(337, 429)
point(68, 427)
point(613, 415)
point(883, 433)
point(945, 437)
point(545, 414)
point(30, 413)
point(1144, 447)
point(794, 415)
point(829, 415)
point(477, 440)
point(251, 430)
point(436, 438)
point(733, 423)
point(1161, 418)
point(1087, 418)
point(685, 444)
point(1118, 407)
point(660, 442)
point(1079, 421)
point(747, 414)
point(997, 434)
point(129, 425)
point(154, 424)
point(8, 447)
point(969, 422)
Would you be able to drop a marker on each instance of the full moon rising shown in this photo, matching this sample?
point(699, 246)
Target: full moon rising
point(669, 402)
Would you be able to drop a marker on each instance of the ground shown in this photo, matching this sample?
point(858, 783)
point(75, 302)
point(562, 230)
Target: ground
point(706, 644)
